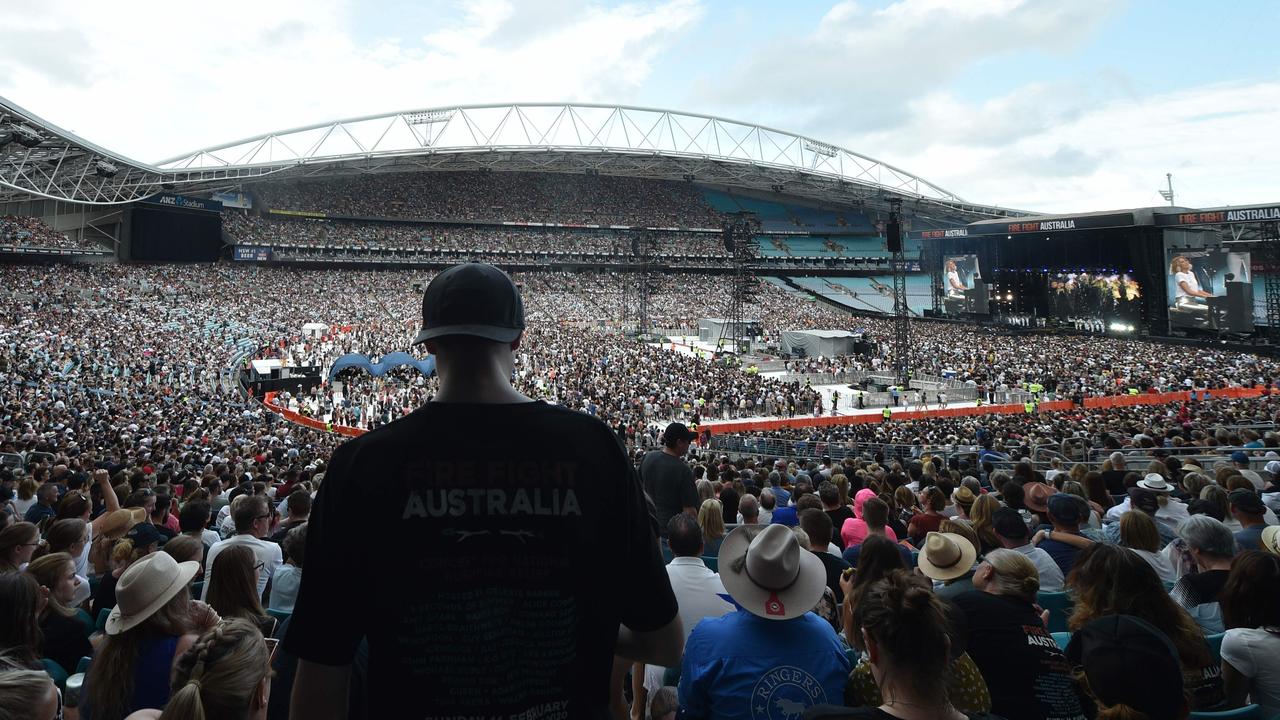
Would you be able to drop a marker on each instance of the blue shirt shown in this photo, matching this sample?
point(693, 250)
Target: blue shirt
point(785, 516)
point(1249, 538)
point(38, 512)
point(781, 495)
point(743, 667)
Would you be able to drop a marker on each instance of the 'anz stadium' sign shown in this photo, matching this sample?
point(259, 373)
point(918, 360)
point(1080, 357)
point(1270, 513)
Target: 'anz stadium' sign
point(184, 203)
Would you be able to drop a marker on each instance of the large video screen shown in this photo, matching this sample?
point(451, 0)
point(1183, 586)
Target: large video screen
point(963, 289)
point(1210, 289)
point(1094, 295)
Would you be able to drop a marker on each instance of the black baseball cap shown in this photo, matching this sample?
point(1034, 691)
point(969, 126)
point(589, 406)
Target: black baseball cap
point(474, 299)
point(1247, 500)
point(1008, 522)
point(1128, 661)
point(677, 431)
point(143, 534)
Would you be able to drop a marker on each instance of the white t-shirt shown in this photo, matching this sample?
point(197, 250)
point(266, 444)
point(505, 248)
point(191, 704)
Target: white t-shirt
point(1190, 279)
point(1254, 652)
point(953, 279)
point(267, 553)
point(284, 588)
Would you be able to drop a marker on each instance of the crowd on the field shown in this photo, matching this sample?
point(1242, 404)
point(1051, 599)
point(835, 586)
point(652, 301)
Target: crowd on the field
point(499, 196)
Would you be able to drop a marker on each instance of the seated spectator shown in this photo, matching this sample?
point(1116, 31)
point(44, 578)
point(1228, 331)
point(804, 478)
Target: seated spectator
point(141, 541)
point(185, 548)
point(909, 649)
point(948, 559)
point(963, 583)
point(814, 522)
point(878, 558)
point(768, 503)
point(225, 674)
point(1139, 533)
point(1027, 675)
point(1248, 510)
point(933, 503)
point(20, 599)
point(748, 510)
point(1109, 649)
point(875, 516)
point(284, 586)
point(117, 524)
point(252, 519)
point(1065, 512)
point(154, 624)
point(963, 498)
point(855, 529)
point(235, 595)
point(1110, 580)
point(829, 494)
point(62, 633)
point(298, 505)
point(18, 543)
point(193, 520)
point(697, 588)
point(711, 518)
point(1211, 546)
point(665, 704)
point(1014, 535)
point(1251, 646)
point(770, 644)
point(46, 496)
point(27, 693)
point(982, 515)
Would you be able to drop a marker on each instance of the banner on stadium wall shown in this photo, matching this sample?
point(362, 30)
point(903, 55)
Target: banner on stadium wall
point(233, 199)
point(1023, 226)
point(298, 213)
point(253, 253)
point(1256, 213)
point(183, 202)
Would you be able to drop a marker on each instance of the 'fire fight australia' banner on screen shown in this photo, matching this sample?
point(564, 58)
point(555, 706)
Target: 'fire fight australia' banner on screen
point(1209, 289)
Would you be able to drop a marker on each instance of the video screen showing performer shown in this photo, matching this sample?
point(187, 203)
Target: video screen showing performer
point(962, 287)
point(1094, 295)
point(1210, 290)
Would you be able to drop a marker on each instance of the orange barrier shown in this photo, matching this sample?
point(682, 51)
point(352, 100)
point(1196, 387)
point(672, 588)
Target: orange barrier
point(1173, 397)
point(269, 400)
point(734, 426)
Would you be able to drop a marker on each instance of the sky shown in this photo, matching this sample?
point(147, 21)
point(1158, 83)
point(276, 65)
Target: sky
point(1047, 105)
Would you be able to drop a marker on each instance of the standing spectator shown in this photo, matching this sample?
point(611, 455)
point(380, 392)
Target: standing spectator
point(772, 651)
point(1251, 646)
point(557, 606)
point(1026, 673)
point(253, 522)
point(667, 477)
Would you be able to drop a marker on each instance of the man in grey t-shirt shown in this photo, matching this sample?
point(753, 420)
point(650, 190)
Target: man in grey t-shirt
point(667, 477)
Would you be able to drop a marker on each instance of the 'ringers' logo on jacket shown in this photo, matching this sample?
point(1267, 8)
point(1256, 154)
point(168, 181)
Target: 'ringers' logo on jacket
point(784, 693)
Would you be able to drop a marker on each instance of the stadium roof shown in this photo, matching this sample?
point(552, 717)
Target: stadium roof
point(540, 137)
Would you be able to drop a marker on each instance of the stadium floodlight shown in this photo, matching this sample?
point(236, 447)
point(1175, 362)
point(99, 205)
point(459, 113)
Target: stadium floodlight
point(821, 148)
point(427, 117)
point(105, 169)
point(26, 136)
point(1168, 194)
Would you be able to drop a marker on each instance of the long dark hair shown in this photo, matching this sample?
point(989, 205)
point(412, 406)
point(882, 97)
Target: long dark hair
point(19, 627)
point(1249, 599)
point(910, 625)
point(1112, 580)
point(233, 589)
point(877, 557)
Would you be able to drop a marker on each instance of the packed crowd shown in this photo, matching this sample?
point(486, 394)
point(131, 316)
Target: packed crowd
point(499, 196)
point(294, 238)
point(27, 231)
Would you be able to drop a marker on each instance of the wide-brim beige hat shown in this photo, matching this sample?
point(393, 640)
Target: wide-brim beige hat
point(946, 556)
point(1271, 539)
point(767, 572)
point(117, 523)
point(146, 587)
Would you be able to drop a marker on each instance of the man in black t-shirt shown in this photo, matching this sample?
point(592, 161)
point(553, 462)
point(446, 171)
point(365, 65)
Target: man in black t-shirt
point(667, 477)
point(489, 592)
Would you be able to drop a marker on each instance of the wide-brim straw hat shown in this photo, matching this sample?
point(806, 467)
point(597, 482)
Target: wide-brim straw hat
point(148, 585)
point(117, 523)
point(946, 556)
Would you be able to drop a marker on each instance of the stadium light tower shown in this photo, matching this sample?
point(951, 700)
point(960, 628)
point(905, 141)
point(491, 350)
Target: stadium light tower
point(1168, 194)
point(901, 312)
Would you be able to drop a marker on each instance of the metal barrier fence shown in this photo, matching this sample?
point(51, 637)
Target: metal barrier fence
point(767, 447)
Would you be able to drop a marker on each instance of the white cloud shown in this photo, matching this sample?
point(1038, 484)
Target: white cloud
point(1081, 155)
point(164, 78)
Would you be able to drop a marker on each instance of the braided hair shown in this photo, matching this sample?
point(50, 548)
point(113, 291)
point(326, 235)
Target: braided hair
point(219, 676)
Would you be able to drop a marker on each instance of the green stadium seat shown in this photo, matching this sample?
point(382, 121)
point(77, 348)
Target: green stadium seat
point(55, 671)
point(279, 615)
point(103, 614)
point(1059, 606)
point(1062, 638)
point(1215, 647)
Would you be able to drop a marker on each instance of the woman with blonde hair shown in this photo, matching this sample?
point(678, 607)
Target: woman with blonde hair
point(711, 518)
point(142, 540)
point(982, 516)
point(225, 674)
point(63, 639)
point(1026, 673)
point(27, 693)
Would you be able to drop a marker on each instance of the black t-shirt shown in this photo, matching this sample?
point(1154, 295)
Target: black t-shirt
point(64, 640)
point(1114, 480)
point(669, 481)
point(1026, 672)
point(1200, 588)
point(729, 505)
point(838, 516)
point(489, 554)
point(835, 567)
